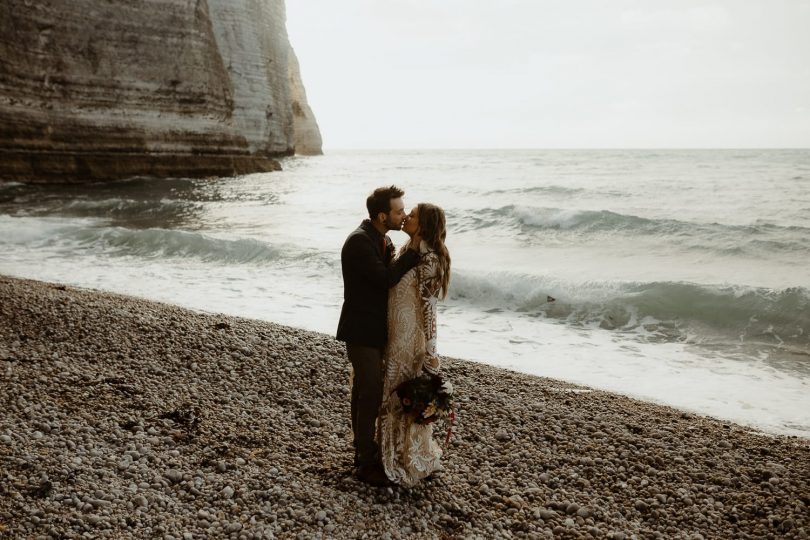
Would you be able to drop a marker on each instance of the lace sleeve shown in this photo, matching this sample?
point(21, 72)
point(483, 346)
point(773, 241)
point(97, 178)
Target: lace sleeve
point(428, 293)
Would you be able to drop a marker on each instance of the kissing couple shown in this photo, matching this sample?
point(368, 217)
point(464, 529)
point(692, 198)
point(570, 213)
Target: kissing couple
point(388, 323)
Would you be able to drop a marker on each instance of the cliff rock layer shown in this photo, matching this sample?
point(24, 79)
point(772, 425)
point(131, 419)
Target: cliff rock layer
point(102, 90)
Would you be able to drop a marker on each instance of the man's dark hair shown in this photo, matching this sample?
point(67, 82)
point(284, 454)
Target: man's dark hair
point(380, 200)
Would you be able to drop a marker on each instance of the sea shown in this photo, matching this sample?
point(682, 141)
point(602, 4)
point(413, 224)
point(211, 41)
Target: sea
point(679, 277)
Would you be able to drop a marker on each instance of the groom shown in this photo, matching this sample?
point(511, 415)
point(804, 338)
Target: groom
point(368, 273)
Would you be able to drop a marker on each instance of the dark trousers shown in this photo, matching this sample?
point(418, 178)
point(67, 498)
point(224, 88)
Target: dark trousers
point(366, 400)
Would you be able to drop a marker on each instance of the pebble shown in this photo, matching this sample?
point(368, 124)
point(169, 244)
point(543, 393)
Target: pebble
point(546, 514)
point(136, 461)
point(516, 501)
point(584, 512)
point(174, 475)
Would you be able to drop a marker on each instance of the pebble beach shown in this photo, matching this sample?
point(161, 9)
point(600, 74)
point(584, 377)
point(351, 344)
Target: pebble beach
point(127, 418)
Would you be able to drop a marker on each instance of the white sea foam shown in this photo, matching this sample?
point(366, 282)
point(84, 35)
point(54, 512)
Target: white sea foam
point(679, 277)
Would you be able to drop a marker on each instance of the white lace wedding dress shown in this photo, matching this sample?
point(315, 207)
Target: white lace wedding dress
point(407, 449)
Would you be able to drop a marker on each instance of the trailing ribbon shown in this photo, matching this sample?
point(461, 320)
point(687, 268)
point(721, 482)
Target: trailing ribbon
point(452, 417)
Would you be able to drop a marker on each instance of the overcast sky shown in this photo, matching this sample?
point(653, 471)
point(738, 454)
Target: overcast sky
point(555, 74)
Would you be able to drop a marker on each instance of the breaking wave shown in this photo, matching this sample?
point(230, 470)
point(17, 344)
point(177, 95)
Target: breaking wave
point(154, 243)
point(758, 236)
point(669, 310)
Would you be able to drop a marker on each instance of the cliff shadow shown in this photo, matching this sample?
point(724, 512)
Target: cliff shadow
point(137, 203)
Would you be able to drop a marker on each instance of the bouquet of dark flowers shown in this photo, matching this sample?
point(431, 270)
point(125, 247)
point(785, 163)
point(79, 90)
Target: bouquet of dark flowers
point(426, 398)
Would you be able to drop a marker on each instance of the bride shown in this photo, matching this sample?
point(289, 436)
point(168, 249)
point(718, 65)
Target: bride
point(407, 449)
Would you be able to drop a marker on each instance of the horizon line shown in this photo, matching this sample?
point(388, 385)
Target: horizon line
point(569, 148)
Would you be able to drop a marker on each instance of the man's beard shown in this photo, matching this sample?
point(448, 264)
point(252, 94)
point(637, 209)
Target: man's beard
point(391, 226)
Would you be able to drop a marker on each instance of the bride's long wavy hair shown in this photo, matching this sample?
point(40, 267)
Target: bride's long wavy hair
point(433, 229)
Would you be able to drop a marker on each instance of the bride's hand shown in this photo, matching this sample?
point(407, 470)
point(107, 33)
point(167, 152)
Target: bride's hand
point(431, 364)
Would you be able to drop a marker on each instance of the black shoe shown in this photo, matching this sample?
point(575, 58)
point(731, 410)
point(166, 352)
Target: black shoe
point(373, 474)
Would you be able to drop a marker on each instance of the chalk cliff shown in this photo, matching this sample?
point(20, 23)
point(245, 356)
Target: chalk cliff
point(102, 90)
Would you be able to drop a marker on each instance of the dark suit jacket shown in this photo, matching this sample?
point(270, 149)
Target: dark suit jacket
point(368, 273)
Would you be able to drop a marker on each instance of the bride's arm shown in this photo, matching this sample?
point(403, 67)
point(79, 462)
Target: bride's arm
point(428, 293)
